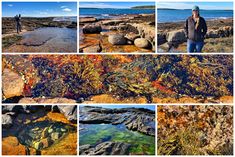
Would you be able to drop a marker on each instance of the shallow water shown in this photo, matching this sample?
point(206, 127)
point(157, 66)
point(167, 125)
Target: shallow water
point(97, 133)
point(48, 39)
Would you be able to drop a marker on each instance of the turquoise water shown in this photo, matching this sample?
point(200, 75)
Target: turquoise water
point(97, 133)
point(168, 15)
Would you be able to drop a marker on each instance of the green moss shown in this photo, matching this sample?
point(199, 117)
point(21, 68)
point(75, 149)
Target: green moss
point(10, 40)
point(140, 143)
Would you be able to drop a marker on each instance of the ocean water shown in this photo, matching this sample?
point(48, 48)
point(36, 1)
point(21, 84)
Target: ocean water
point(181, 15)
point(66, 18)
point(111, 12)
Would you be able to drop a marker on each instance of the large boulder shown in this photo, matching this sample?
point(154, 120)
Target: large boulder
point(12, 84)
point(69, 111)
point(91, 29)
point(142, 43)
point(177, 36)
point(117, 39)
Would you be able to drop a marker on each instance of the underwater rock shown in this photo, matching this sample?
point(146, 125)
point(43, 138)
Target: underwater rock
point(12, 84)
point(136, 119)
point(92, 49)
point(105, 148)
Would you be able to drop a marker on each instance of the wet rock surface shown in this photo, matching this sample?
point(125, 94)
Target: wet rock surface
point(36, 128)
point(141, 120)
point(105, 148)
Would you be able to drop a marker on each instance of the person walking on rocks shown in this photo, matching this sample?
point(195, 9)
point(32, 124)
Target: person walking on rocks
point(18, 23)
point(195, 30)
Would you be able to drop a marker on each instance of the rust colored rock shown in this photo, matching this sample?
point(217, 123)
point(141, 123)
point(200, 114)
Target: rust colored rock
point(12, 84)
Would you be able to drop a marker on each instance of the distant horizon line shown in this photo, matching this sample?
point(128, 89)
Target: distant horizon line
point(191, 9)
point(45, 16)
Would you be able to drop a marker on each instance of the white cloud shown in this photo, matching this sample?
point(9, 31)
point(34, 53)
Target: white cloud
point(10, 5)
point(67, 10)
point(63, 6)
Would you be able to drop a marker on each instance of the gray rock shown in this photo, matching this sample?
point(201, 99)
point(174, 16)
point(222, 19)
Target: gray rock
point(69, 111)
point(176, 36)
point(12, 84)
point(105, 148)
point(7, 121)
point(142, 43)
point(132, 36)
point(117, 39)
point(91, 29)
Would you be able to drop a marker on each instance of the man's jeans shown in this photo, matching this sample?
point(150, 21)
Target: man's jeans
point(194, 46)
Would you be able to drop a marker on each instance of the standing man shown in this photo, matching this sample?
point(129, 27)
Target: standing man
point(18, 23)
point(195, 30)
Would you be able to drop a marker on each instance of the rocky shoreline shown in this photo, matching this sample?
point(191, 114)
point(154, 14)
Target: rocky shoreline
point(33, 38)
point(126, 33)
point(171, 36)
point(135, 119)
point(38, 129)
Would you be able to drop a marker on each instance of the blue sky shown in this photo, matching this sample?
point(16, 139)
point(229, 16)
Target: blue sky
point(39, 9)
point(202, 5)
point(112, 4)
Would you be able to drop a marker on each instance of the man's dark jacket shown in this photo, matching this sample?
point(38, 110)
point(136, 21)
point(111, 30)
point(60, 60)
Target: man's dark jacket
point(195, 34)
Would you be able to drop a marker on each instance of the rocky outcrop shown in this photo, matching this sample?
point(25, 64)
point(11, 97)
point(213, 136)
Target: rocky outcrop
point(91, 29)
point(105, 148)
point(111, 22)
point(12, 84)
point(87, 19)
point(117, 39)
point(9, 112)
point(136, 119)
point(69, 111)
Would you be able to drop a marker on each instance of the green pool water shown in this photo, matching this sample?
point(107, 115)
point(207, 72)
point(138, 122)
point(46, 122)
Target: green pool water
point(97, 133)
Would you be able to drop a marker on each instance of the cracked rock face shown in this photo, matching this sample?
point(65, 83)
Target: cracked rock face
point(141, 120)
point(105, 148)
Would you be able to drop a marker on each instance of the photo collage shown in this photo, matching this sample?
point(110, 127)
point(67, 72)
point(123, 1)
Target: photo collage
point(97, 78)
